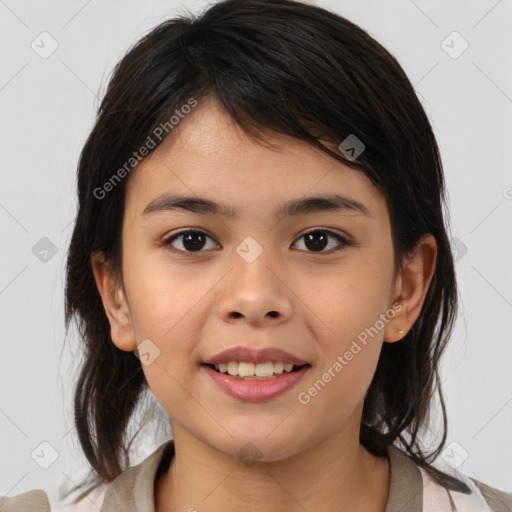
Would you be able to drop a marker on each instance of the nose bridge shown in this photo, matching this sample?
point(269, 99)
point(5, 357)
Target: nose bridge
point(253, 260)
point(254, 288)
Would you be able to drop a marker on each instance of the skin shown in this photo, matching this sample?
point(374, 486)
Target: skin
point(191, 308)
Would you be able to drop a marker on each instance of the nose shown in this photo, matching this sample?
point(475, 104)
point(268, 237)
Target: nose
point(256, 293)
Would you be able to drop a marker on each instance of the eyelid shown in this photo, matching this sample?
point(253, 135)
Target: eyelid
point(344, 240)
point(329, 230)
point(167, 241)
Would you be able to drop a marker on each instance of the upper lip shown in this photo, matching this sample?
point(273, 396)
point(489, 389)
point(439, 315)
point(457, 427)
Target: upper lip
point(241, 353)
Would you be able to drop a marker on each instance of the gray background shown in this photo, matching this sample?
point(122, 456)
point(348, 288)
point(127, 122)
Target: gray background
point(48, 107)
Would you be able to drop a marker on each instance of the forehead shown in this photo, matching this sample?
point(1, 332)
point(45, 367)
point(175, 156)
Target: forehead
point(208, 155)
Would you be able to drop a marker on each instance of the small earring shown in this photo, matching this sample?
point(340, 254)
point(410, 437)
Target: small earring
point(401, 331)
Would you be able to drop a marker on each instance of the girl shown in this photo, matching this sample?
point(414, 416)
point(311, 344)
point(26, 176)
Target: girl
point(260, 242)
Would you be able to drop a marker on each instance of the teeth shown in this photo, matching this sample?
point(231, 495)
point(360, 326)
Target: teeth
point(232, 368)
point(247, 369)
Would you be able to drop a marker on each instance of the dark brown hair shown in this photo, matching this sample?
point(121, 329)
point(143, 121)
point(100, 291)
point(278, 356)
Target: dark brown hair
point(296, 69)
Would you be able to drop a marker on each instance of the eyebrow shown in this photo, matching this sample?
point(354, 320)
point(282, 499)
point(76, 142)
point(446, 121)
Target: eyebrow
point(294, 207)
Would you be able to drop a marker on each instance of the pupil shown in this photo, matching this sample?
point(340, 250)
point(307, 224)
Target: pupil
point(318, 240)
point(191, 238)
point(314, 241)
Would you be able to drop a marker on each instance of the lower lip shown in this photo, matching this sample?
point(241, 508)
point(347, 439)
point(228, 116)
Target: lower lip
point(256, 390)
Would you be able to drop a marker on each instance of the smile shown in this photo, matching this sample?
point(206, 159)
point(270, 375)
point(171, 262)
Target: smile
point(251, 387)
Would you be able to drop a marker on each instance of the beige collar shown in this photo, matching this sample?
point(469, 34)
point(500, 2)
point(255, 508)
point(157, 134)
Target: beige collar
point(133, 490)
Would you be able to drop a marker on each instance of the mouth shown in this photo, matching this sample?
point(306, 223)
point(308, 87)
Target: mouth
point(250, 387)
point(234, 371)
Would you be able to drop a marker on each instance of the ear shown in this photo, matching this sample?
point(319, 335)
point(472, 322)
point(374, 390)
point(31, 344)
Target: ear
point(115, 304)
point(411, 287)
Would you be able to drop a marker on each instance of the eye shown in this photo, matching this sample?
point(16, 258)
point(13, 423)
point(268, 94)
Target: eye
point(193, 242)
point(317, 239)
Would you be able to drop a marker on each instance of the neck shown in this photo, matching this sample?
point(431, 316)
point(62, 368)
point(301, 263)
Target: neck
point(336, 474)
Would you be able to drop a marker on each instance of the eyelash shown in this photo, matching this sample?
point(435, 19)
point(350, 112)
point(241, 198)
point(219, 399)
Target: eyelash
point(345, 243)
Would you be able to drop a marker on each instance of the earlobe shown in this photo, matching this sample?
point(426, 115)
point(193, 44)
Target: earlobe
point(412, 287)
point(114, 303)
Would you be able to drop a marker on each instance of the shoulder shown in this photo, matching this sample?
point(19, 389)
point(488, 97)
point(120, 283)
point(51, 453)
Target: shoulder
point(134, 487)
point(482, 497)
point(37, 500)
point(414, 485)
point(499, 501)
point(30, 501)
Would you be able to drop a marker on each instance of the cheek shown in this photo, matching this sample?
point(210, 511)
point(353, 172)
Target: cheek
point(351, 308)
point(349, 347)
point(349, 303)
point(163, 296)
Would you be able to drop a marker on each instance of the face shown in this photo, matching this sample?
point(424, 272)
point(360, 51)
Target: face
point(311, 295)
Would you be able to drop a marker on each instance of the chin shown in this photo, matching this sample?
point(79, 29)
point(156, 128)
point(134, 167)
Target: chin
point(251, 449)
